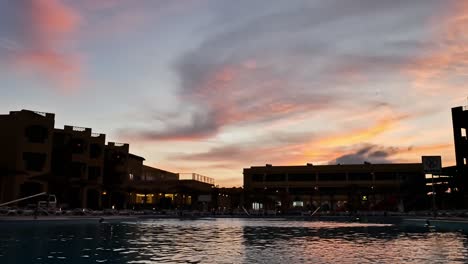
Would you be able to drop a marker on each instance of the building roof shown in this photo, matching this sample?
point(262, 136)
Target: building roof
point(338, 168)
point(135, 156)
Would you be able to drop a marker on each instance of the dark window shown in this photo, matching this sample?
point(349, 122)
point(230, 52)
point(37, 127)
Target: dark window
point(275, 177)
point(410, 176)
point(303, 190)
point(118, 157)
point(94, 172)
point(77, 169)
point(34, 161)
point(301, 177)
point(95, 151)
point(364, 176)
point(385, 176)
point(330, 190)
point(332, 177)
point(257, 178)
point(36, 134)
point(78, 146)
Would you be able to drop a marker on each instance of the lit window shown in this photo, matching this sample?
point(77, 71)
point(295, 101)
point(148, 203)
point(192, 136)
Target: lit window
point(298, 204)
point(130, 176)
point(257, 206)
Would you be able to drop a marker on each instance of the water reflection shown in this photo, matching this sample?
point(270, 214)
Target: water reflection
point(226, 241)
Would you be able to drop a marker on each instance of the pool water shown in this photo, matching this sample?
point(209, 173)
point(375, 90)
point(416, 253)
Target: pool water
point(225, 241)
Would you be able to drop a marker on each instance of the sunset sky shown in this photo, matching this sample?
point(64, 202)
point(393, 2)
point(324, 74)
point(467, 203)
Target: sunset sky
point(214, 86)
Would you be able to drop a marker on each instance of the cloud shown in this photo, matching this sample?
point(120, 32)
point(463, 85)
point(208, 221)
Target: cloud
point(367, 153)
point(274, 147)
point(37, 30)
point(445, 61)
point(285, 60)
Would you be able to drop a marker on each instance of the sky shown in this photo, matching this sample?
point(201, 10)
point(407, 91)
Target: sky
point(215, 86)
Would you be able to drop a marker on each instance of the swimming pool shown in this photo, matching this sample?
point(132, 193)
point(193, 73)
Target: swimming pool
point(225, 241)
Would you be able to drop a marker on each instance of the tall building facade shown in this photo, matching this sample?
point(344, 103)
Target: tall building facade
point(460, 128)
point(26, 153)
point(78, 166)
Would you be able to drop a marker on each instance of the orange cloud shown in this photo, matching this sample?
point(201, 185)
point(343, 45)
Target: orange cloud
point(331, 146)
point(361, 135)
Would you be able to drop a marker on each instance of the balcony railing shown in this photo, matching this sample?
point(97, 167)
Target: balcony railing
point(79, 129)
point(196, 177)
point(40, 113)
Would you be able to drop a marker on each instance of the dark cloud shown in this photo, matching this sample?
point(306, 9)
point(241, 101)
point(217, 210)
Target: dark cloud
point(367, 153)
point(200, 126)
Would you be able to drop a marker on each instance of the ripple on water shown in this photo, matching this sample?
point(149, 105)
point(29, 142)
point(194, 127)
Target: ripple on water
point(231, 241)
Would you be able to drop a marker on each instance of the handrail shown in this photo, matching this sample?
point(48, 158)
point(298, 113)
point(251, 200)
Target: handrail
point(22, 199)
point(245, 210)
point(316, 210)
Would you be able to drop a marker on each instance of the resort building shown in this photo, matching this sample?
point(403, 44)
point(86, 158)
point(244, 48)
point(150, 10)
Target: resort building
point(78, 166)
point(26, 140)
point(336, 187)
point(161, 189)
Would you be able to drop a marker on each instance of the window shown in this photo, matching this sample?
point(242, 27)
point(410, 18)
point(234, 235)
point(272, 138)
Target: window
point(34, 161)
point(463, 132)
point(36, 134)
point(275, 177)
point(94, 173)
point(77, 169)
point(298, 204)
point(118, 157)
point(130, 176)
point(301, 177)
point(95, 151)
point(257, 178)
point(78, 146)
point(360, 176)
point(257, 206)
point(385, 176)
point(332, 177)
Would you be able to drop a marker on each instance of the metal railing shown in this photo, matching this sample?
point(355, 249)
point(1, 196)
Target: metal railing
point(96, 134)
point(22, 199)
point(196, 177)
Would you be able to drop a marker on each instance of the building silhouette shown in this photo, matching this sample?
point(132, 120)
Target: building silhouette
point(82, 170)
point(77, 166)
point(460, 127)
point(336, 187)
point(26, 140)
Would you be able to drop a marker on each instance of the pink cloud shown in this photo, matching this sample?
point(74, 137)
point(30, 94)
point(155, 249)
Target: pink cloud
point(40, 29)
point(449, 55)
